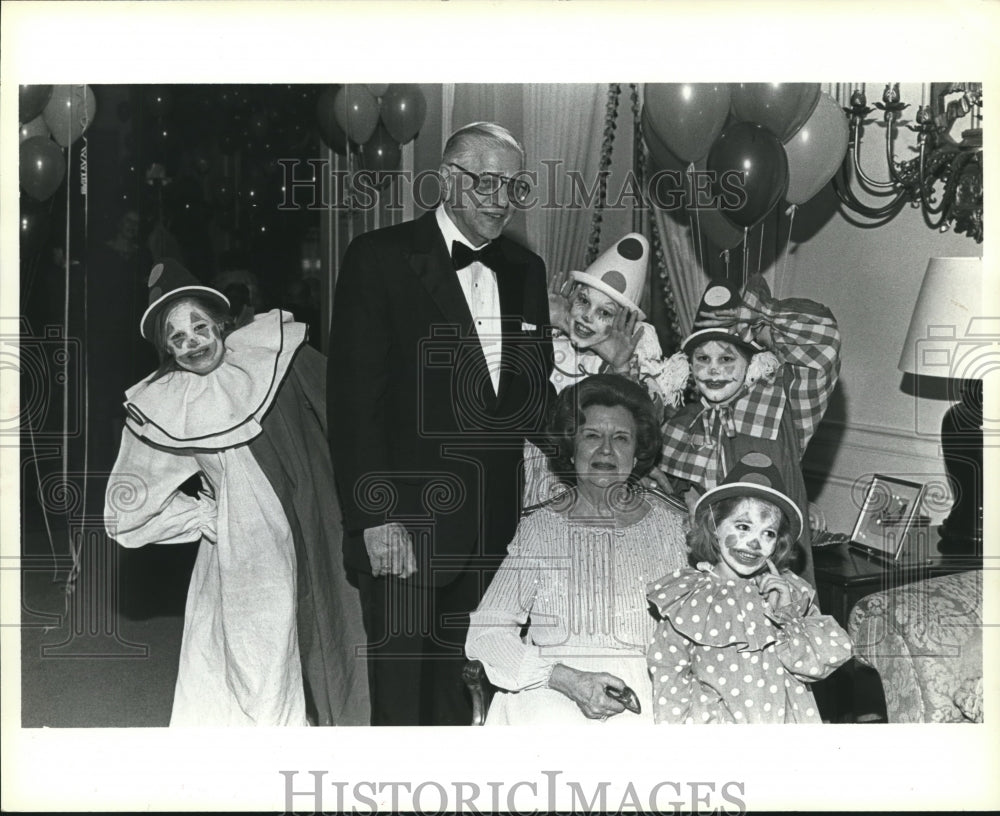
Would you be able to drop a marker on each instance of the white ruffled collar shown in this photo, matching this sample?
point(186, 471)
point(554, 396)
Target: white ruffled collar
point(224, 407)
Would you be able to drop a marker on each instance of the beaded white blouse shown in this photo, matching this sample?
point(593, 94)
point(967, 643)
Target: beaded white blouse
point(583, 586)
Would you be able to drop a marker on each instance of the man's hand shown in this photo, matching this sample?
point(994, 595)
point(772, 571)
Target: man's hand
point(390, 550)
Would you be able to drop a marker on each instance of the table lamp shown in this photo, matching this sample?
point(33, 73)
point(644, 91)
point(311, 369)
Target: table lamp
point(951, 336)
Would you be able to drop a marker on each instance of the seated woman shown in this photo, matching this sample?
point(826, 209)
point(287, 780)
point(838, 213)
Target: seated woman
point(578, 568)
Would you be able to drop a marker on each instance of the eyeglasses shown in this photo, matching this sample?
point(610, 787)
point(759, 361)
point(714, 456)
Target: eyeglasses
point(488, 184)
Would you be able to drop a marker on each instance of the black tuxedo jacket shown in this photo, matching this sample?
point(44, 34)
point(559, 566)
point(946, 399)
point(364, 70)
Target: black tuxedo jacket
point(417, 433)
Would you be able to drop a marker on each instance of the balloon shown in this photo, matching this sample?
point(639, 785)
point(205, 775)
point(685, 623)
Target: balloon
point(42, 167)
point(380, 152)
point(718, 229)
point(661, 156)
point(816, 150)
point(69, 112)
point(748, 150)
point(36, 127)
point(712, 223)
point(781, 107)
point(356, 111)
point(378, 90)
point(31, 101)
point(330, 132)
point(687, 117)
point(403, 110)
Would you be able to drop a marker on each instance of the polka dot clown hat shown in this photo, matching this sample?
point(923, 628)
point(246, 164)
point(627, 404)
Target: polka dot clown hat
point(756, 476)
point(720, 295)
point(170, 281)
point(620, 272)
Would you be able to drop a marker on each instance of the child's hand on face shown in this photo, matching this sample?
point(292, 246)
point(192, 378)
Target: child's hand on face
point(559, 306)
point(618, 347)
point(774, 587)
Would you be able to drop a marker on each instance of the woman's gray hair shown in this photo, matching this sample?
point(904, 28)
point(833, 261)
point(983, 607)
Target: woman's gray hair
point(472, 139)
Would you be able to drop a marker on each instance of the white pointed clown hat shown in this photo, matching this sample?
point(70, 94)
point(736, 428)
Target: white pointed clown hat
point(620, 272)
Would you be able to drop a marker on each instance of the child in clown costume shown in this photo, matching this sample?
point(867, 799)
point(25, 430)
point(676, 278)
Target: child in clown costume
point(740, 638)
point(271, 623)
point(599, 328)
point(763, 370)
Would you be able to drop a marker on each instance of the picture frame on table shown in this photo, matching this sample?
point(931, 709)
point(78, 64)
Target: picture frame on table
point(888, 514)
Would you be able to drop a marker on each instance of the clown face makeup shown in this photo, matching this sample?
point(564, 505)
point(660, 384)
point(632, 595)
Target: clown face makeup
point(747, 537)
point(193, 338)
point(591, 315)
point(719, 370)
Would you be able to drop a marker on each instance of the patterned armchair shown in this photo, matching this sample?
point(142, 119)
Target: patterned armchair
point(925, 639)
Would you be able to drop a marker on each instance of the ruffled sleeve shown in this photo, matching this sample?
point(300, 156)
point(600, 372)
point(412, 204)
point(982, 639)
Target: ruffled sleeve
point(143, 502)
point(810, 645)
point(494, 628)
point(805, 337)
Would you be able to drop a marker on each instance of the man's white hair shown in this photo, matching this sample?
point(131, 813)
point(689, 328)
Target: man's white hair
point(473, 138)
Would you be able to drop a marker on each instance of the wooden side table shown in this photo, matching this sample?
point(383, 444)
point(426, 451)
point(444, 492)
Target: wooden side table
point(845, 575)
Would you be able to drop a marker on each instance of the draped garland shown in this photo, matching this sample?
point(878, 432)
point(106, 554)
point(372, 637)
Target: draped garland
point(604, 170)
point(669, 329)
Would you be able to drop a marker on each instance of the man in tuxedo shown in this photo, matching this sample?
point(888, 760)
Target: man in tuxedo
point(440, 356)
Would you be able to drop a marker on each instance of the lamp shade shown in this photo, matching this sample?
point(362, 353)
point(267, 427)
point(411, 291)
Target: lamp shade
point(950, 325)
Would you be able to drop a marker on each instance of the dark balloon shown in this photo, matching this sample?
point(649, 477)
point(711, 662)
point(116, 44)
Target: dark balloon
point(403, 110)
point(31, 101)
point(380, 154)
point(750, 172)
point(42, 167)
point(356, 111)
point(330, 131)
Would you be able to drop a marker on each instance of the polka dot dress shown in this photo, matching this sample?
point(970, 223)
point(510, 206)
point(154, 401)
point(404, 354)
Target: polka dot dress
point(721, 654)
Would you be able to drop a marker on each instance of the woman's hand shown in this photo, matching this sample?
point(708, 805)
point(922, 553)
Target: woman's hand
point(586, 689)
point(618, 347)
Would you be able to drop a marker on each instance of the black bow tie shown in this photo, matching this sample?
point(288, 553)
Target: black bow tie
point(462, 256)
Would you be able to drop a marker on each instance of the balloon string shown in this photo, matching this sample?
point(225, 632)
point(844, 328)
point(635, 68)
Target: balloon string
point(788, 241)
point(746, 257)
point(73, 550)
point(695, 223)
point(86, 312)
point(760, 248)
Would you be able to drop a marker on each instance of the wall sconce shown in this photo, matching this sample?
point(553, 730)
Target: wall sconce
point(945, 180)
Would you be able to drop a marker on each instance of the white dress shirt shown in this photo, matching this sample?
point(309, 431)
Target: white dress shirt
point(479, 285)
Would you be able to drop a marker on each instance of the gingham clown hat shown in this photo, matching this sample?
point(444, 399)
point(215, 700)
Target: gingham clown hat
point(620, 272)
point(169, 281)
point(756, 476)
point(720, 294)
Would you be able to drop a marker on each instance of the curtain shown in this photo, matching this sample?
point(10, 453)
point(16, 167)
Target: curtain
point(563, 123)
